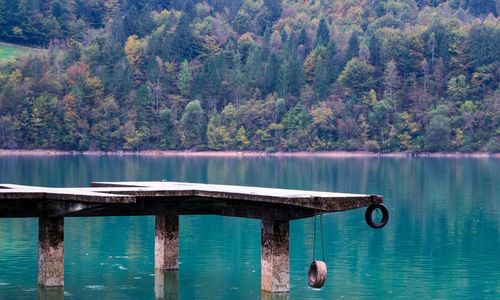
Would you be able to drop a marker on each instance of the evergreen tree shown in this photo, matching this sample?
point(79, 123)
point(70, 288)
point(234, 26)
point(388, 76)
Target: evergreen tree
point(275, 9)
point(353, 48)
point(331, 63)
point(321, 82)
point(184, 44)
point(323, 33)
point(168, 136)
point(185, 78)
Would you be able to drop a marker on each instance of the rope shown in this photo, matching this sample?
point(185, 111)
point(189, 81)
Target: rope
point(322, 238)
point(314, 240)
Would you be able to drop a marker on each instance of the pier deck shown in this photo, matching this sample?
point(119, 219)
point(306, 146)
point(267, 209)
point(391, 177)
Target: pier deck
point(167, 201)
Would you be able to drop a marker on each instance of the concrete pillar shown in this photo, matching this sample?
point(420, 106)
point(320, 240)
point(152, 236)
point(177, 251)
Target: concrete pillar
point(275, 260)
point(167, 242)
point(50, 252)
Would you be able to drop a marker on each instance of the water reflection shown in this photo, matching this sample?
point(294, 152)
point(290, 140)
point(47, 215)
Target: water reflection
point(166, 285)
point(442, 239)
point(50, 293)
point(274, 296)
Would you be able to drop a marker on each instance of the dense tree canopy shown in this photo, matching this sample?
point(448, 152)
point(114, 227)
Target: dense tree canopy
point(264, 75)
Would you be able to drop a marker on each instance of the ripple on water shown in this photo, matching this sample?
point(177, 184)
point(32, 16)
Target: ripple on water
point(95, 287)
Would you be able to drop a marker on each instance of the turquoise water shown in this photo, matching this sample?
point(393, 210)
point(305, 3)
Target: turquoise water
point(442, 240)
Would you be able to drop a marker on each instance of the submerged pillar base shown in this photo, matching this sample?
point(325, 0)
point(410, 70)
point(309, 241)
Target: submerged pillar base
point(166, 284)
point(50, 252)
point(51, 293)
point(167, 242)
point(275, 260)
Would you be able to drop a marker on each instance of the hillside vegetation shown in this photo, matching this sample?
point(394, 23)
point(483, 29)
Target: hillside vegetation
point(253, 75)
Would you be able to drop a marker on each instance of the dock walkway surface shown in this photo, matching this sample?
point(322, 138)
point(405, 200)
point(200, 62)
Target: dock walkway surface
point(167, 201)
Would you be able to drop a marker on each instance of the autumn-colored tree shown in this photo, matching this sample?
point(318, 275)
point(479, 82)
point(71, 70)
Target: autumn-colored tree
point(135, 53)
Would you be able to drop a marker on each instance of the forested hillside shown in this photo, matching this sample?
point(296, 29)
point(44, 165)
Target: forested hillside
point(252, 75)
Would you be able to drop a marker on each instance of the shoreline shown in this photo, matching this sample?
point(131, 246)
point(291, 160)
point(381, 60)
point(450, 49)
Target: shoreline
point(302, 154)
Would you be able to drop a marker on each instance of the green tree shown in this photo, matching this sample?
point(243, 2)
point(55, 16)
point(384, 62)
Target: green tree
point(217, 136)
point(229, 119)
point(185, 78)
point(438, 131)
point(275, 9)
point(106, 125)
point(392, 82)
point(323, 33)
point(322, 122)
point(353, 47)
point(44, 121)
point(193, 123)
point(458, 88)
point(168, 136)
point(331, 61)
point(184, 44)
point(482, 44)
point(241, 139)
point(290, 77)
point(357, 76)
point(320, 82)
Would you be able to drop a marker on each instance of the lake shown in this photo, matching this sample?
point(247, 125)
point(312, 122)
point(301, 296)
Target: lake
point(442, 239)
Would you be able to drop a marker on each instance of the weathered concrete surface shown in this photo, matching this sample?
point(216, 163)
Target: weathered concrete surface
point(146, 198)
point(319, 201)
point(166, 285)
point(167, 242)
point(275, 264)
point(86, 195)
point(50, 252)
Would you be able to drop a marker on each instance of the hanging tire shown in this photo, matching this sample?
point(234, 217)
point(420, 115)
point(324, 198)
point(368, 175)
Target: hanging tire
point(316, 276)
point(369, 216)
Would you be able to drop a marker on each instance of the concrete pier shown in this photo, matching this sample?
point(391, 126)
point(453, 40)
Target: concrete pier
point(275, 264)
point(167, 201)
point(167, 242)
point(50, 252)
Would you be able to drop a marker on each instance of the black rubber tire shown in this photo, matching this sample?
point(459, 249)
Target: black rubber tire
point(368, 216)
point(316, 276)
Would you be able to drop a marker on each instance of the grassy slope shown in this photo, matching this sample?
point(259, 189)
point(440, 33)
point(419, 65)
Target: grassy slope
point(9, 52)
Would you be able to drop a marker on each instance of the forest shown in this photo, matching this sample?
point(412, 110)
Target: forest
point(265, 75)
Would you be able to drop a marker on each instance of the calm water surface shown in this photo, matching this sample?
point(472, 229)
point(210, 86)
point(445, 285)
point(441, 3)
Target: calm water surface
point(442, 241)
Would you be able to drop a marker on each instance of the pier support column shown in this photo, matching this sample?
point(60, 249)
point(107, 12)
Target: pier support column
point(167, 242)
point(275, 260)
point(50, 252)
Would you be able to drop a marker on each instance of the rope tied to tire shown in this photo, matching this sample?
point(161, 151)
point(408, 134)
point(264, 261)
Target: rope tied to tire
point(316, 276)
